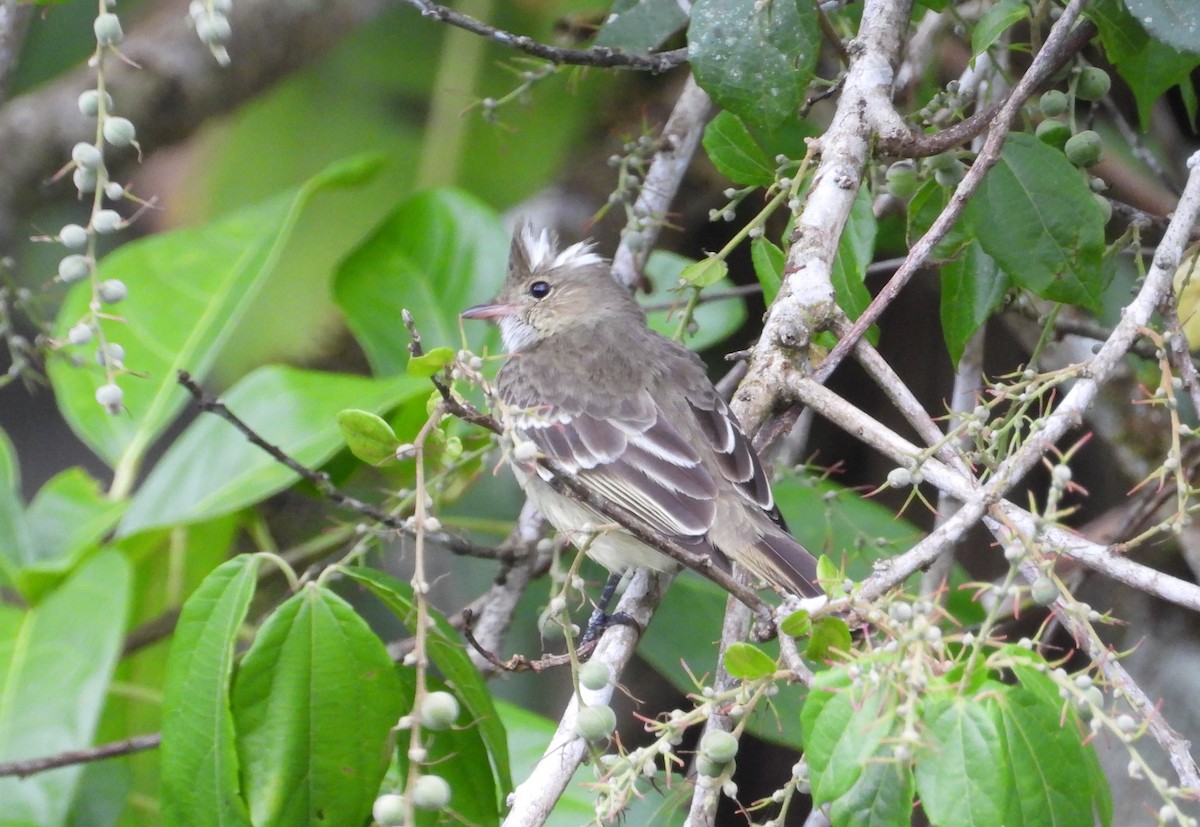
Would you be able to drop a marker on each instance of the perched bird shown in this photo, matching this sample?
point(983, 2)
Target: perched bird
point(633, 417)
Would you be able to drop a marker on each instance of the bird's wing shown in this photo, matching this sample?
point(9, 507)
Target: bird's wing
point(736, 459)
point(631, 454)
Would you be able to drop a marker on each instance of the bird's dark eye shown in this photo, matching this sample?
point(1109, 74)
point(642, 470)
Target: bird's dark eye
point(539, 289)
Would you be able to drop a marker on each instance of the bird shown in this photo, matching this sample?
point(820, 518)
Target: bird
point(632, 416)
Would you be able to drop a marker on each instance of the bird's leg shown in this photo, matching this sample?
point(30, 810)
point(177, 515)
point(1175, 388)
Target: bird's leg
point(601, 619)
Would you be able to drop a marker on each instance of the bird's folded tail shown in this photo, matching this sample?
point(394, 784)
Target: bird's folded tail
point(788, 566)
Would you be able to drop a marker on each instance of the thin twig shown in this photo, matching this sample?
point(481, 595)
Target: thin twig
point(596, 56)
point(115, 749)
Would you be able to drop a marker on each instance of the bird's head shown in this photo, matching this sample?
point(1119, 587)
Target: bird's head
point(549, 290)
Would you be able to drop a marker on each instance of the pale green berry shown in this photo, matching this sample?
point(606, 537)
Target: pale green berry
point(899, 478)
point(1043, 591)
point(80, 334)
point(388, 810)
point(1053, 133)
point(595, 723)
point(85, 179)
point(119, 131)
point(1053, 103)
point(87, 155)
point(213, 29)
point(594, 675)
point(430, 792)
point(112, 291)
point(73, 236)
point(902, 180)
point(106, 221)
point(89, 102)
point(110, 397)
point(108, 30)
point(719, 746)
point(439, 710)
point(709, 768)
point(112, 354)
point(74, 268)
point(114, 191)
point(1083, 149)
point(1093, 84)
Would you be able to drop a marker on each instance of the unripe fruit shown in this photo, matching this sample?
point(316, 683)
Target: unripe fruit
point(74, 268)
point(595, 723)
point(87, 155)
point(1053, 103)
point(73, 236)
point(112, 291)
point(439, 711)
point(1083, 149)
point(430, 792)
point(388, 810)
point(80, 334)
point(949, 176)
point(1043, 591)
point(719, 746)
point(119, 131)
point(709, 768)
point(110, 397)
point(112, 354)
point(89, 102)
point(1053, 133)
point(114, 191)
point(902, 179)
point(1106, 209)
point(108, 30)
point(213, 29)
point(1093, 84)
point(106, 221)
point(594, 675)
point(85, 179)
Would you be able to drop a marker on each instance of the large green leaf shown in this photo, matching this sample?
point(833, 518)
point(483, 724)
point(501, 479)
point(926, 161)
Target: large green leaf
point(956, 773)
point(856, 249)
point(437, 254)
point(16, 542)
point(55, 664)
point(1149, 67)
point(641, 25)
point(1174, 22)
point(1035, 215)
point(755, 59)
point(445, 650)
point(212, 469)
point(882, 795)
point(972, 287)
point(200, 782)
point(734, 152)
point(186, 291)
point(314, 702)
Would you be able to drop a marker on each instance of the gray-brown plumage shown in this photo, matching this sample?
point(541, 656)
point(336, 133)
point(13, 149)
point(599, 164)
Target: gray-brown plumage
point(631, 415)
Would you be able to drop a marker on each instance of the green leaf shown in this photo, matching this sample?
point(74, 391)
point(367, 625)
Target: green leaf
point(1173, 22)
point(923, 209)
point(430, 363)
point(368, 436)
point(747, 662)
point(734, 152)
point(845, 727)
point(56, 661)
point(956, 770)
point(705, 273)
point(437, 254)
point(1147, 65)
point(972, 287)
point(829, 640)
point(755, 59)
point(639, 26)
point(881, 796)
point(797, 624)
point(314, 701)
point(200, 782)
point(995, 22)
point(16, 542)
point(715, 321)
point(211, 469)
point(187, 290)
point(1035, 215)
point(768, 263)
point(831, 519)
point(447, 653)
point(856, 249)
